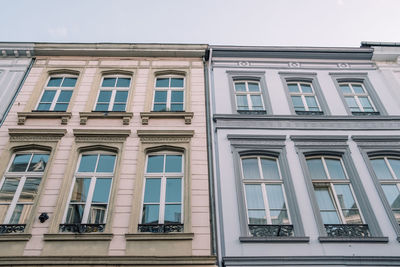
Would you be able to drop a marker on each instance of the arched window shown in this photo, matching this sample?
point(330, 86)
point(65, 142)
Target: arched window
point(113, 93)
point(169, 93)
point(57, 93)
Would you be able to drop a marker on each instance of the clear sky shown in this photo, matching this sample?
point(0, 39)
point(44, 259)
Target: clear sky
point(230, 22)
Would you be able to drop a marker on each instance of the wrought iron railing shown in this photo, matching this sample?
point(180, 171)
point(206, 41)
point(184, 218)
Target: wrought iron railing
point(347, 230)
point(161, 228)
point(12, 228)
point(264, 230)
point(82, 228)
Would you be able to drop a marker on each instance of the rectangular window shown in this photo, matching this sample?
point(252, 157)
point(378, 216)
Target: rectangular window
point(57, 94)
point(303, 97)
point(90, 193)
point(248, 96)
point(19, 188)
point(113, 94)
point(169, 94)
point(356, 97)
point(162, 200)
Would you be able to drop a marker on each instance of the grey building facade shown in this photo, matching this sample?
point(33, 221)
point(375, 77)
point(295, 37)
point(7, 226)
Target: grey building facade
point(306, 157)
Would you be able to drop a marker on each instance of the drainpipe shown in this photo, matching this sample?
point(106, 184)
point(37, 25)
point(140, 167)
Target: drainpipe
point(17, 92)
point(210, 160)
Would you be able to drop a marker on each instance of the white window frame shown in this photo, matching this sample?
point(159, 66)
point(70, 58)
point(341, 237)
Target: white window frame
point(164, 176)
point(330, 183)
point(23, 176)
point(303, 95)
point(169, 89)
point(356, 96)
point(93, 178)
point(58, 90)
point(113, 92)
point(263, 182)
point(248, 95)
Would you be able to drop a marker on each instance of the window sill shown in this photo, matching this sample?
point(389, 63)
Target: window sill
point(309, 113)
point(78, 237)
point(14, 237)
point(64, 116)
point(274, 239)
point(187, 116)
point(383, 239)
point(158, 236)
point(262, 112)
point(357, 113)
point(125, 116)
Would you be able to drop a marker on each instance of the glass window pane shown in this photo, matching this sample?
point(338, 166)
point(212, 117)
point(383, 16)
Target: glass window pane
point(160, 107)
point(8, 189)
point(121, 96)
point(81, 189)
point(152, 190)
point(253, 87)
point(257, 217)
point(155, 163)
point(173, 163)
point(20, 214)
point(250, 168)
point(172, 214)
point(365, 103)
point(275, 196)
point(254, 196)
point(176, 107)
point(69, 82)
point(316, 169)
point(306, 88)
point(395, 164)
point(20, 163)
point(177, 96)
point(381, 169)
point(351, 103)
point(64, 96)
point(123, 82)
point(43, 107)
point(345, 196)
point(358, 89)
point(97, 213)
point(335, 168)
point(242, 102)
point(392, 195)
point(162, 82)
point(279, 217)
point(240, 87)
point(75, 213)
point(54, 82)
point(104, 96)
point(330, 217)
point(119, 107)
point(270, 169)
point(311, 102)
point(293, 88)
point(324, 198)
point(160, 96)
point(345, 88)
point(48, 96)
point(109, 82)
point(29, 191)
point(88, 163)
point(38, 163)
point(297, 103)
point(106, 163)
point(352, 216)
point(173, 190)
point(150, 214)
point(101, 107)
point(102, 190)
point(177, 82)
point(256, 102)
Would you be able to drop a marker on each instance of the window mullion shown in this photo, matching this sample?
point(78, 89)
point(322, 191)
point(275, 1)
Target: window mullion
point(303, 99)
point(169, 99)
point(337, 203)
point(14, 201)
point(88, 203)
point(266, 204)
point(112, 100)
point(54, 102)
point(162, 199)
point(358, 103)
point(390, 168)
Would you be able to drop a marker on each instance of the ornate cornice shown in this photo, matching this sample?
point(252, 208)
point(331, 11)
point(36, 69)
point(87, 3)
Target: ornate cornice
point(165, 136)
point(187, 116)
point(36, 135)
point(100, 135)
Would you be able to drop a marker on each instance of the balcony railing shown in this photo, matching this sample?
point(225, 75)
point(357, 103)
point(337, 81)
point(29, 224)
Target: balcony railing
point(347, 230)
point(12, 228)
point(82, 228)
point(263, 230)
point(161, 228)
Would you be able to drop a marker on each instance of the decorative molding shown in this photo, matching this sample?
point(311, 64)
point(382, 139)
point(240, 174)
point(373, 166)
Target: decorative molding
point(256, 141)
point(187, 116)
point(343, 66)
point(78, 237)
point(125, 116)
point(387, 141)
point(14, 237)
point(165, 136)
point(294, 65)
point(327, 239)
point(158, 236)
point(275, 239)
point(36, 135)
point(243, 63)
point(64, 116)
point(100, 135)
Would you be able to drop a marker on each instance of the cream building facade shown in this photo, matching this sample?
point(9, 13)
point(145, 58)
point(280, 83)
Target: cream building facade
point(104, 159)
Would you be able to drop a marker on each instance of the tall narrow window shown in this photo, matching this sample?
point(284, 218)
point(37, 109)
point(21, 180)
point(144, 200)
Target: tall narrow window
point(387, 169)
point(19, 188)
point(303, 97)
point(169, 94)
point(267, 211)
point(248, 96)
point(357, 98)
point(162, 200)
point(113, 94)
point(89, 197)
point(335, 197)
point(57, 93)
